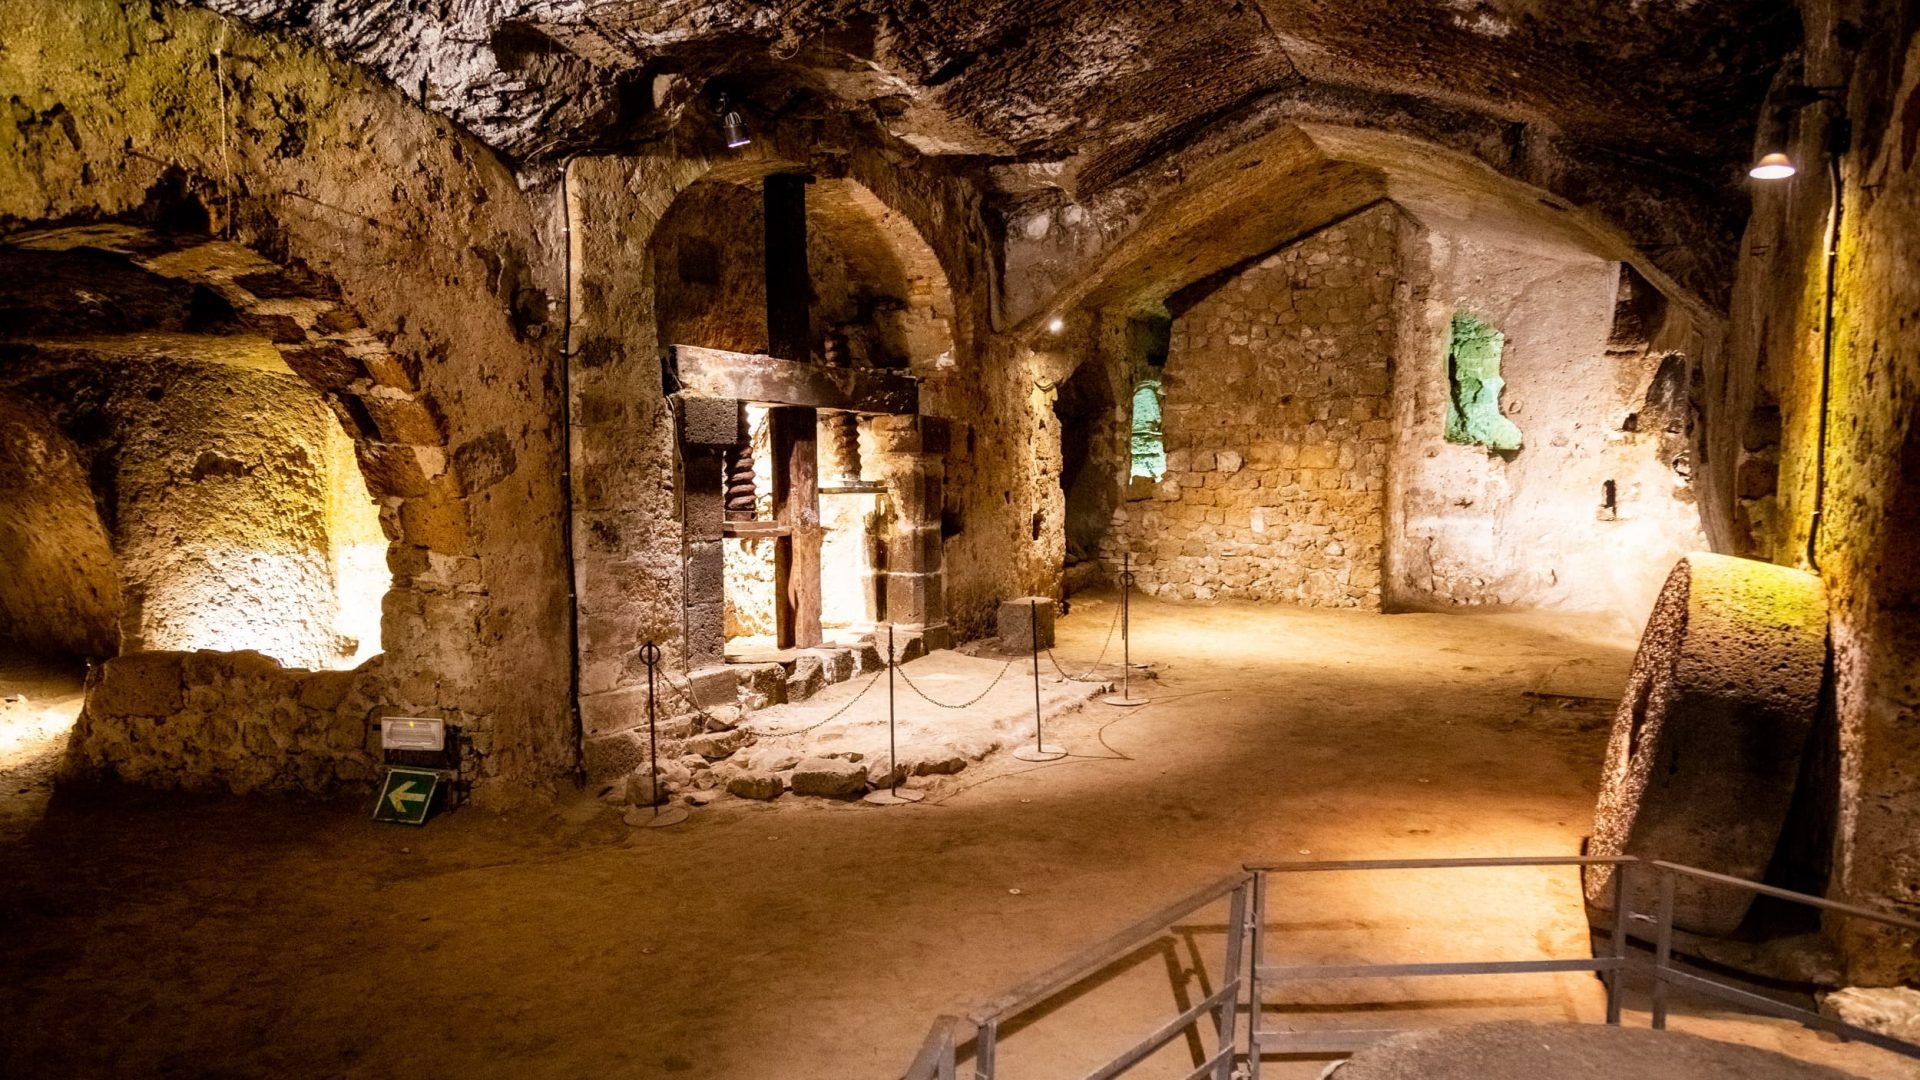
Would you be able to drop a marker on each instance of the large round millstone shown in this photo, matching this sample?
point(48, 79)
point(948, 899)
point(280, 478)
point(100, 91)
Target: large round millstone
point(1707, 741)
point(1518, 1050)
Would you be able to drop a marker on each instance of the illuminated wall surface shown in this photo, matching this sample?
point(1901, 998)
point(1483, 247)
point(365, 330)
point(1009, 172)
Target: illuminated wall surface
point(239, 518)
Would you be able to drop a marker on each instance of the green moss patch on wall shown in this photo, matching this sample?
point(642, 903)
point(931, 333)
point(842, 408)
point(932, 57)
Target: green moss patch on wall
point(1473, 386)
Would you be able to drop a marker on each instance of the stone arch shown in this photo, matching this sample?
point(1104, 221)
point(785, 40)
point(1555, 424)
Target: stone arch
point(625, 215)
point(272, 316)
point(876, 279)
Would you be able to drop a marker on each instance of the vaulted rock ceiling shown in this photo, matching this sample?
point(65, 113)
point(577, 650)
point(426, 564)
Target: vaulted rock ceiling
point(1657, 95)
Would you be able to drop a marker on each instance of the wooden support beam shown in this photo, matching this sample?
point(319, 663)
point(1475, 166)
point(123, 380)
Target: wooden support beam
point(766, 380)
point(754, 530)
point(794, 434)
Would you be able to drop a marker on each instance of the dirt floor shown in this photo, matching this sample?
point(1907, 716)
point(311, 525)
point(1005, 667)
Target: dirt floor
point(803, 940)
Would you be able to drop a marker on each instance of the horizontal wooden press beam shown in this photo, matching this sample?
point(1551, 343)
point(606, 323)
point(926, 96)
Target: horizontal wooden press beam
point(766, 380)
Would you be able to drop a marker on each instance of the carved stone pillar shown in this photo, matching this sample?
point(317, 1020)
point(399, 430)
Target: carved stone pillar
point(912, 462)
point(710, 432)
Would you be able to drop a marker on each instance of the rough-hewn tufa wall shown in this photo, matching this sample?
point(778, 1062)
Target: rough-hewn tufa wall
point(1767, 480)
point(1277, 417)
point(59, 581)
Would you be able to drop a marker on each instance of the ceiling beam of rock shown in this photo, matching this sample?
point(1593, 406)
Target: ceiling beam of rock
point(1637, 111)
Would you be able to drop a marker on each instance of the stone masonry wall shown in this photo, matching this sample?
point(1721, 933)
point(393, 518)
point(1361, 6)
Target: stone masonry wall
point(1277, 421)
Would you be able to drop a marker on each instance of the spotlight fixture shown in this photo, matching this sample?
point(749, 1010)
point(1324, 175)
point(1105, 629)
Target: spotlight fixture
point(1056, 325)
point(733, 126)
point(1838, 137)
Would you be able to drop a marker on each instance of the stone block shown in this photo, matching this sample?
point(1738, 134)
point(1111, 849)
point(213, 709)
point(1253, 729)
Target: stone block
point(390, 470)
point(617, 710)
point(325, 690)
point(711, 422)
point(605, 758)
point(831, 778)
point(807, 678)
point(436, 520)
point(917, 493)
point(836, 665)
point(715, 685)
point(717, 744)
point(703, 486)
point(706, 627)
point(762, 684)
point(706, 570)
point(763, 786)
point(1021, 620)
point(909, 644)
point(138, 684)
point(915, 550)
point(918, 599)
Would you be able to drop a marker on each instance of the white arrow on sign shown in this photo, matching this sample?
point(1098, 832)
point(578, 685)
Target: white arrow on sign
point(404, 794)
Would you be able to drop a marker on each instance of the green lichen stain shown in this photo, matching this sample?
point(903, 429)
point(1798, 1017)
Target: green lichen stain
point(1149, 452)
point(1473, 387)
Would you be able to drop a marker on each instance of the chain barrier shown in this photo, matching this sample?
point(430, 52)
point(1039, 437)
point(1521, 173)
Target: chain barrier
point(975, 700)
point(686, 694)
point(1104, 646)
point(830, 717)
point(684, 691)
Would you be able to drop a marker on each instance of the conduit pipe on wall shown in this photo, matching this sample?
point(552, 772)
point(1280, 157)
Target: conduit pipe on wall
point(1837, 139)
point(569, 263)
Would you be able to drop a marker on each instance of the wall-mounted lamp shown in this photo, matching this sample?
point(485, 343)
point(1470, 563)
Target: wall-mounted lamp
point(1056, 325)
point(1775, 164)
point(733, 126)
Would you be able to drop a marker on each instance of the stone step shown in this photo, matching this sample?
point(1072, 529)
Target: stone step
point(756, 678)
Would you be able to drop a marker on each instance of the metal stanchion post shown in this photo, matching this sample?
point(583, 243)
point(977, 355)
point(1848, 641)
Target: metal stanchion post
point(672, 815)
point(1125, 697)
point(893, 796)
point(1040, 750)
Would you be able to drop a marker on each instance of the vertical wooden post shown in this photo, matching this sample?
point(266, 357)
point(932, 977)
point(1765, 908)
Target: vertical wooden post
point(796, 499)
point(793, 431)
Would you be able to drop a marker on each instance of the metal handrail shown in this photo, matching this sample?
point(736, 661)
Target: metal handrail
point(1261, 1040)
point(1093, 958)
point(1664, 973)
point(1245, 925)
point(938, 1055)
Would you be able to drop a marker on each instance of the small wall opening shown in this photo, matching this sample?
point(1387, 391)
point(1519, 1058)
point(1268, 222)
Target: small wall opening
point(1146, 440)
point(1473, 386)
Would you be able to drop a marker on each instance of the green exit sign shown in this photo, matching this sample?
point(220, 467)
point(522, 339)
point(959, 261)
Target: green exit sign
point(406, 796)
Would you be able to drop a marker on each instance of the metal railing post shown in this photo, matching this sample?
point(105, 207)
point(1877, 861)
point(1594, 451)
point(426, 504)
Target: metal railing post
point(1621, 919)
point(1228, 1011)
point(1254, 959)
point(983, 1048)
point(1663, 950)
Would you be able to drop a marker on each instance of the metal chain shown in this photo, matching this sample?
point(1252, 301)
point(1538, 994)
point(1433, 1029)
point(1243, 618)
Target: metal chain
point(835, 715)
point(1104, 646)
point(964, 705)
point(686, 695)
